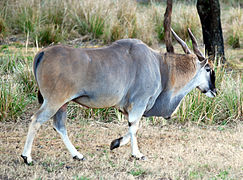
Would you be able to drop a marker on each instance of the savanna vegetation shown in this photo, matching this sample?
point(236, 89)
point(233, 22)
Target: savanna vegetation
point(28, 25)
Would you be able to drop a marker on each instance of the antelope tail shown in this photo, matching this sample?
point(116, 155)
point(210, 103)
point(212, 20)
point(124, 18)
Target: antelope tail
point(37, 61)
point(40, 97)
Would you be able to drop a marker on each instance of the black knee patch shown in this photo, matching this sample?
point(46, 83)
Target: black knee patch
point(24, 158)
point(115, 143)
point(129, 124)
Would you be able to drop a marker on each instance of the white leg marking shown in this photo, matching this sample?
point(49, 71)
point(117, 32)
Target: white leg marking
point(59, 124)
point(70, 146)
point(42, 115)
point(134, 120)
point(33, 128)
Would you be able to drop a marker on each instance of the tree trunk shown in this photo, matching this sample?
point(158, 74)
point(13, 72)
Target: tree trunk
point(209, 13)
point(167, 27)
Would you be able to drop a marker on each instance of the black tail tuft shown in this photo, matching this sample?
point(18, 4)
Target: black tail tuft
point(40, 97)
point(37, 61)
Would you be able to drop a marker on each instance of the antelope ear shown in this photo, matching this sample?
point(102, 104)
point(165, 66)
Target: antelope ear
point(195, 47)
point(181, 42)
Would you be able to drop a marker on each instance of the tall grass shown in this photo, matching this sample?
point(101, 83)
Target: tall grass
point(17, 84)
point(225, 107)
point(107, 20)
point(12, 100)
point(18, 89)
point(234, 33)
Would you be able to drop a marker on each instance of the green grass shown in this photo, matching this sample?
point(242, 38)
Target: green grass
point(17, 85)
point(137, 171)
point(81, 178)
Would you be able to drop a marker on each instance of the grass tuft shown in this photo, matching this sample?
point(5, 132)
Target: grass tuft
point(3, 27)
point(12, 100)
point(7, 63)
point(26, 78)
point(50, 34)
point(137, 172)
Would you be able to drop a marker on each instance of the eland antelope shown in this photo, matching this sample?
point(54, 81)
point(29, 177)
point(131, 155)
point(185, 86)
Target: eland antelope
point(127, 75)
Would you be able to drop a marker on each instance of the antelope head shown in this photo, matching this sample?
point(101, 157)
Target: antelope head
point(205, 71)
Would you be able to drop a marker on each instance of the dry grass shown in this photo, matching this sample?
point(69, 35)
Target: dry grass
point(233, 25)
point(173, 152)
point(108, 20)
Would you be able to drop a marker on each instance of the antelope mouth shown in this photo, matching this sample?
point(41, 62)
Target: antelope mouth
point(211, 93)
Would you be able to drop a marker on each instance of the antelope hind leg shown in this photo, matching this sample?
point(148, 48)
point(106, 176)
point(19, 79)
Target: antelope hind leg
point(41, 116)
point(59, 125)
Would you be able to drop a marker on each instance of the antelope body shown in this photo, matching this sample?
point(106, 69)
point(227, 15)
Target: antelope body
point(128, 75)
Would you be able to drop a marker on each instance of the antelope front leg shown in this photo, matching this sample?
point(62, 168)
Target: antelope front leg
point(133, 122)
point(134, 144)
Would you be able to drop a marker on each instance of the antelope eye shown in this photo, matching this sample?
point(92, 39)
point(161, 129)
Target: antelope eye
point(207, 70)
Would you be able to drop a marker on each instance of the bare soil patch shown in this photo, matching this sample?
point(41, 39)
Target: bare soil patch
point(173, 152)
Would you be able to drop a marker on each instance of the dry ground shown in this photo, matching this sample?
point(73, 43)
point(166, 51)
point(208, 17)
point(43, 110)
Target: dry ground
point(173, 152)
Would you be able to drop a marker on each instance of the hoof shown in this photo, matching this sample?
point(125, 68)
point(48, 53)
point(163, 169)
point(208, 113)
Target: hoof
point(79, 159)
point(115, 143)
point(139, 158)
point(29, 163)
